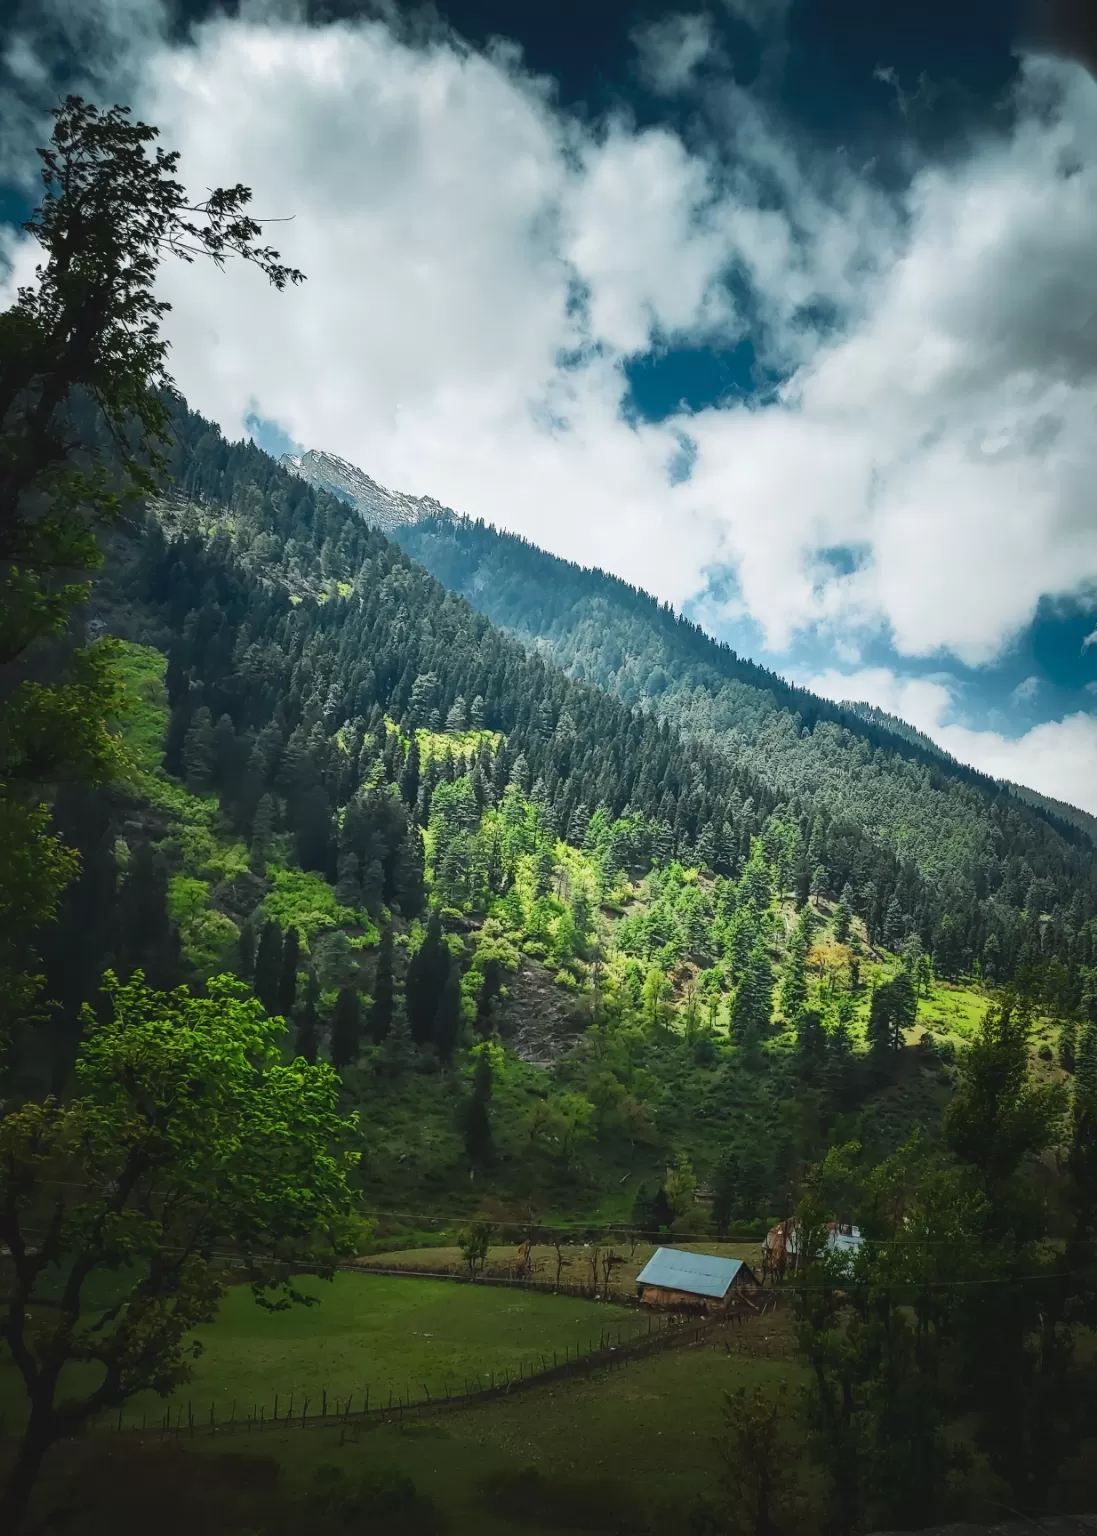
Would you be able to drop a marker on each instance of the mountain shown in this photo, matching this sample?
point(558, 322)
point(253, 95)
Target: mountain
point(606, 700)
point(381, 508)
point(852, 759)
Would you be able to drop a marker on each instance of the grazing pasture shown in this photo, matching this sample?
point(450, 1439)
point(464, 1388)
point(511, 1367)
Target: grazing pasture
point(392, 1335)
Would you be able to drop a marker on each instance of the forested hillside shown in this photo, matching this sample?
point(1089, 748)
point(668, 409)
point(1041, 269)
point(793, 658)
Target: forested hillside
point(916, 844)
point(409, 836)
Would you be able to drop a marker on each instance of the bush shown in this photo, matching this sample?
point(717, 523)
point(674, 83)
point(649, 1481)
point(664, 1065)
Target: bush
point(529, 1497)
point(385, 1500)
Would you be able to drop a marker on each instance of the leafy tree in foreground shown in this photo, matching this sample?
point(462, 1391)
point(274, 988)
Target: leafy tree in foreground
point(187, 1134)
point(80, 356)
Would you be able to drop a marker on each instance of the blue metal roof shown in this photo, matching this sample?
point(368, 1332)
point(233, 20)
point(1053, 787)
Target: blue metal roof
point(699, 1273)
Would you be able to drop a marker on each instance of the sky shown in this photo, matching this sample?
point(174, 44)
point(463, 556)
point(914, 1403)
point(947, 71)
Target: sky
point(784, 310)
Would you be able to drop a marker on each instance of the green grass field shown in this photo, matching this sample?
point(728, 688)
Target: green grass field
point(380, 1332)
point(621, 1451)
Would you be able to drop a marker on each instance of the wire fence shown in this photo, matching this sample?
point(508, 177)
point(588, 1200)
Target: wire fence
point(504, 1276)
point(611, 1351)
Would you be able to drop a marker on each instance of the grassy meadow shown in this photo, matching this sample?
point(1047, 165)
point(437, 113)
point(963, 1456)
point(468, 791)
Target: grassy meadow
point(621, 1450)
point(392, 1336)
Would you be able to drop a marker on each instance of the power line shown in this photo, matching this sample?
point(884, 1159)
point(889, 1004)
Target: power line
point(529, 1225)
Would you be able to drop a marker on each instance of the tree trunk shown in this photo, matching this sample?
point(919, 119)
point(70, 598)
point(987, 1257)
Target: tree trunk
point(15, 1498)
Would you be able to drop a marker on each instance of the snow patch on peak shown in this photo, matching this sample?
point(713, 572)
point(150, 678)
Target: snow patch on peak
point(379, 507)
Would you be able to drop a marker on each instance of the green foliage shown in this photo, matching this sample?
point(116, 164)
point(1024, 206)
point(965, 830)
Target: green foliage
point(891, 1013)
point(186, 1132)
point(303, 900)
point(473, 1243)
point(834, 772)
point(752, 1006)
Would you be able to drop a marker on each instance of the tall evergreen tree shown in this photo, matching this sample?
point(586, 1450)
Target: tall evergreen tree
point(384, 988)
point(346, 1028)
point(447, 1015)
point(892, 1011)
point(752, 1006)
point(428, 972)
point(308, 1024)
point(198, 752)
point(477, 1121)
point(287, 980)
point(268, 966)
point(246, 948)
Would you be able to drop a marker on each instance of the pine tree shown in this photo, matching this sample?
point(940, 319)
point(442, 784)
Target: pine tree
point(262, 829)
point(794, 984)
point(409, 778)
point(1085, 1067)
point(346, 1028)
point(490, 984)
point(380, 1017)
point(198, 753)
point(752, 1006)
point(268, 966)
point(398, 1054)
point(838, 1066)
point(447, 1016)
point(287, 981)
point(893, 924)
point(811, 1041)
point(477, 1121)
point(892, 1011)
point(842, 921)
point(428, 972)
point(308, 1025)
point(246, 946)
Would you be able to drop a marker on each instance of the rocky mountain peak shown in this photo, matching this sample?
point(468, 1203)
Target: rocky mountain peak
point(380, 507)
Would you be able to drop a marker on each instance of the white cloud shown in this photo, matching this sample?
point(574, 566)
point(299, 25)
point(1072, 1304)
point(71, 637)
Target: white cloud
point(1057, 757)
point(480, 264)
point(1026, 690)
point(670, 50)
point(1091, 639)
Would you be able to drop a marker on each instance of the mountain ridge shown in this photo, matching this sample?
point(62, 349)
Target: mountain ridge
point(425, 527)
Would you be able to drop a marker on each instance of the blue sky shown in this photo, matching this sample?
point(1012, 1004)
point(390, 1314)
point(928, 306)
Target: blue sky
point(783, 309)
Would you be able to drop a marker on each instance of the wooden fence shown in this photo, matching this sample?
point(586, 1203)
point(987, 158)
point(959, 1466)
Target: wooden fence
point(506, 1277)
point(335, 1412)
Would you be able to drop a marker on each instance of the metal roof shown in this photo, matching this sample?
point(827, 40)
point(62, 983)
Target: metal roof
point(699, 1273)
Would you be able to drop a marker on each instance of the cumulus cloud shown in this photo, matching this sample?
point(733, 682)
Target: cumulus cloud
point(1056, 757)
point(481, 265)
point(1091, 639)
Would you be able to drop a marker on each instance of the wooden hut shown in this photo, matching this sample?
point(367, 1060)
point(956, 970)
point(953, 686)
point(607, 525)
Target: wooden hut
point(673, 1277)
point(781, 1250)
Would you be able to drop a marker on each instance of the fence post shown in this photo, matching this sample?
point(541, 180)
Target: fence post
point(324, 1403)
point(276, 1407)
